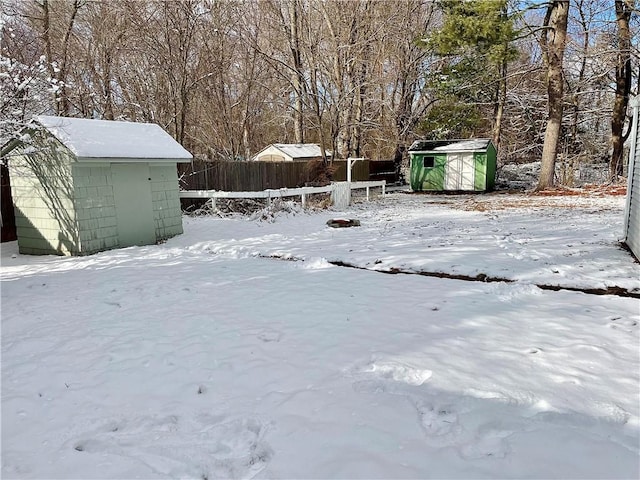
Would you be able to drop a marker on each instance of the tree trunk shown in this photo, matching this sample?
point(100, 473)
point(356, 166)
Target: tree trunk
point(502, 100)
point(108, 97)
point(623, 85)
point(553, 42)
point(64, 106)
point(297, 75)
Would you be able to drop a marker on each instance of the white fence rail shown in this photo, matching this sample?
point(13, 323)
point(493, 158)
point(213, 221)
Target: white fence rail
point(284, 192)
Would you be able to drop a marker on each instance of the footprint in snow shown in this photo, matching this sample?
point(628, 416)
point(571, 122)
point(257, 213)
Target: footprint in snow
point(270, 336)
point(388, 377)
point(400, 372)
point(454, 424)
point(201, 446)
point(618, 323)
point(489, 444)
point(439, 423)
point(446, 421)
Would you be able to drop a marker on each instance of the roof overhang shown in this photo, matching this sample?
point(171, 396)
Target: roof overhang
point(100, 139)
point(451, 146)
point(131, 160)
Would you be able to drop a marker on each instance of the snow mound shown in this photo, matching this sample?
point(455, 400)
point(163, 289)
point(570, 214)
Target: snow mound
point(278, 208)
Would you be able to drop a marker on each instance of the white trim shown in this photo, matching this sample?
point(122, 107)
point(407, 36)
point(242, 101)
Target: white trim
point(631, 165)
point(282, 192)
point(163, 161)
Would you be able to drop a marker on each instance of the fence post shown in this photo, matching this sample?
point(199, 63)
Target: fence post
point(304, 199)
point(350, 163)
point(341, 194)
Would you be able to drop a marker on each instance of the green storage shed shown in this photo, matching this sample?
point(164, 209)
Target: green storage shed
point(453, 165)
point(81, 186)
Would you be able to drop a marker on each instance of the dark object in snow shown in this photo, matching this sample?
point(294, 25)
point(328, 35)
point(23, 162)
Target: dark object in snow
point(343, 222)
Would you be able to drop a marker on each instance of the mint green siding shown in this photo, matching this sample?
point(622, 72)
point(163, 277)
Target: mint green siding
point(165, 197)
point(95, 207)
point(67, 206)
point(134, 212)
point(44, 205)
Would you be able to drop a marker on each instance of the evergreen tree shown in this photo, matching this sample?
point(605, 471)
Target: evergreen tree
point(476, 44)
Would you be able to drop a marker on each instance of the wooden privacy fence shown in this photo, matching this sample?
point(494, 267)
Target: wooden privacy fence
point(384, 170)
point(257, 176)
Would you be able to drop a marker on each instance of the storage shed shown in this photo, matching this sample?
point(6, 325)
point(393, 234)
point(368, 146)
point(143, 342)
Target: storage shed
point(631, 234)
point(290, 152)
point(453, 165)
point(81, 186)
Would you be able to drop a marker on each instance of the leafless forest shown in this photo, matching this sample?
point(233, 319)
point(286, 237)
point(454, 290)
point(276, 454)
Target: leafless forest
point(359, 77)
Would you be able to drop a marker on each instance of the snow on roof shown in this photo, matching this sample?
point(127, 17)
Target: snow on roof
point(299, 150)
point(471, 145)
point(88, 138)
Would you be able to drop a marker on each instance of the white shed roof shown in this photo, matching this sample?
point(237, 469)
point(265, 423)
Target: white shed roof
point(88, 138)
point(297, 150)
point(471, 145)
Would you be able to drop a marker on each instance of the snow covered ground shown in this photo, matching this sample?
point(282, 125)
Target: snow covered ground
point(210, 357)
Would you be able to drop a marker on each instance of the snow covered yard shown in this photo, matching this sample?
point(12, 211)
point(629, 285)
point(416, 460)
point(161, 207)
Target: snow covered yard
point(209, 357)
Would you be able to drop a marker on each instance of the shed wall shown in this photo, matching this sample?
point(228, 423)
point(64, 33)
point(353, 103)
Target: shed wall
point(95, 207)
point(273, 154)
point(435, 179)
point(427, 179)
point(632, 220)
point(492, 166)
point(480, 176)
point(165, 197)
point(42, 191)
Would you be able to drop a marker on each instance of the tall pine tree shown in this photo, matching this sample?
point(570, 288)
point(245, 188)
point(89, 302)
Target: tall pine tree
point(476, 45)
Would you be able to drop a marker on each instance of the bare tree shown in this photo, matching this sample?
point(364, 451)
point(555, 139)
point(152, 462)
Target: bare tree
point(57, 21)
point(25, 87)
point(407, 99)
point(227, 78)
point(624, 9)
point(553, 41)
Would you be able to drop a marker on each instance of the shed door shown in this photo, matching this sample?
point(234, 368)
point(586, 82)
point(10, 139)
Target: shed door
point(460, 173)
point(134, 209)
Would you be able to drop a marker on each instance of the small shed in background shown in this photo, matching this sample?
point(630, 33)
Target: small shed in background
point(631, 234)
point(290, 152)
point(81, 186)
point(453, 165)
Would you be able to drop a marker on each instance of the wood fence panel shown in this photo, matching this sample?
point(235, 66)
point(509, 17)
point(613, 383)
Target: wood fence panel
point(257, 176)
point(383, 170)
